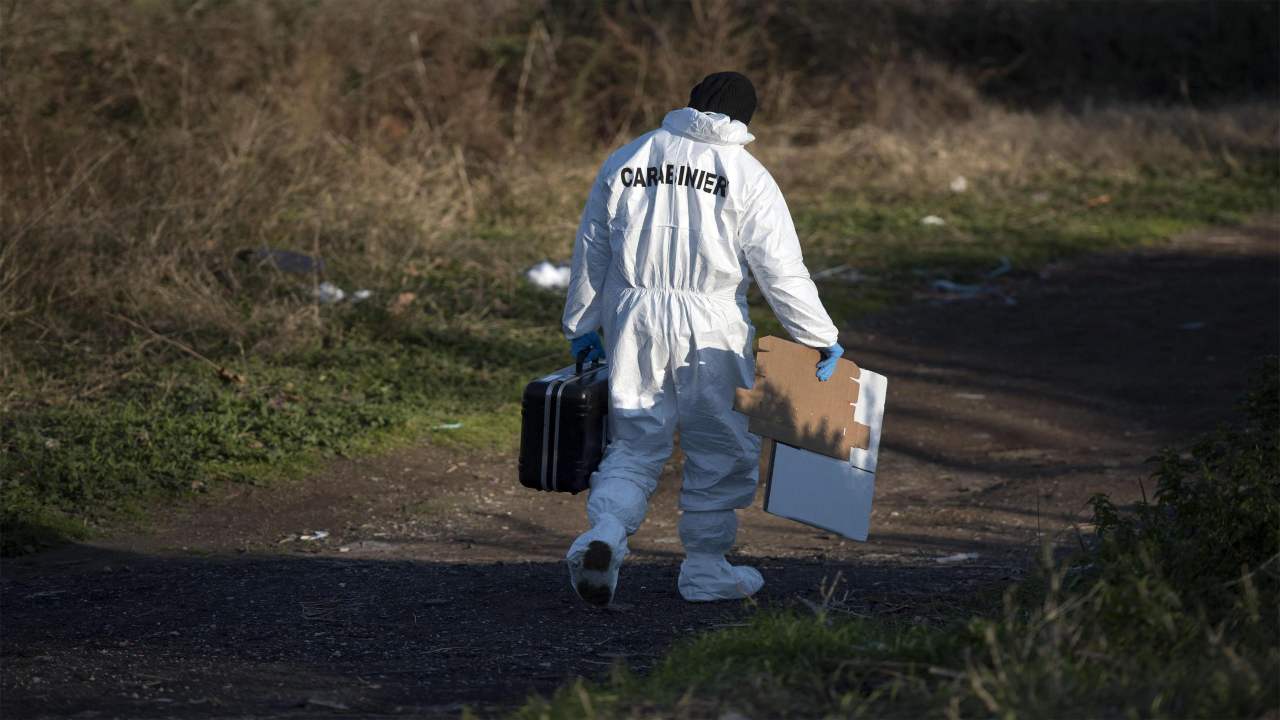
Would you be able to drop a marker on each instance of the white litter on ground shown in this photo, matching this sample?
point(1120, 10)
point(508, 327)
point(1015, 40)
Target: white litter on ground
point(959, 184)
point(932, 220)
point(317, 535)
point(448, 426)
point(548, 276)
point(326, 293)
point(359, 295)
point(958, 557)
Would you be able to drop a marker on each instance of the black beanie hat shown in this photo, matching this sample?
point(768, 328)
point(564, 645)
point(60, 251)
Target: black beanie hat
point(730, 93)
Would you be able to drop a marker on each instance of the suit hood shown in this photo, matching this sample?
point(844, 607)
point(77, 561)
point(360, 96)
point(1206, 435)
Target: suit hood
point(713, 128)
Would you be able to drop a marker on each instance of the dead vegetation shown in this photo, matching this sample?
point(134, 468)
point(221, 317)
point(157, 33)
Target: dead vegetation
point(143, 144)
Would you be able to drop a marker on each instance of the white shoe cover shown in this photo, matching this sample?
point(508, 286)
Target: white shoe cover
point(705, 577)
point(589, 576)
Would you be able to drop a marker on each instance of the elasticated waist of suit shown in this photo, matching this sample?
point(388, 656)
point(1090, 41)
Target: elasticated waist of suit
point(728, 295)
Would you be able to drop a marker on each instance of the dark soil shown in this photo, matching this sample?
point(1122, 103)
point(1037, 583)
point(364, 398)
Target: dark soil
point(440, 584)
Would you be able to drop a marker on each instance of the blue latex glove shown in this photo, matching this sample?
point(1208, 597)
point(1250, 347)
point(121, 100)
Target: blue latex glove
point(591, 341)
point(827, 365)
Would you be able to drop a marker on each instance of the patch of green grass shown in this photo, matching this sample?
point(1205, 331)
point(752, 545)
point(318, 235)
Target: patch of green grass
point(884, 236)
point(1171, 612)
point(780, 664)
point(164, 432)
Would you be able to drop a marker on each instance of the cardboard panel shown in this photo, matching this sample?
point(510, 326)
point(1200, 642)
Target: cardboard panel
point(833, 446)
point(822, 491)
point(790, 404)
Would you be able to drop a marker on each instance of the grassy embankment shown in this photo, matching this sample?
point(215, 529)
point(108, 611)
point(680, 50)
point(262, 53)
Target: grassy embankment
point(1171, 611)
point(432, 154)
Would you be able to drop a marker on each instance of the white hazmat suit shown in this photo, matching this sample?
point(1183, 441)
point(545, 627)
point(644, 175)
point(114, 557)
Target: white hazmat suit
point(674, 221)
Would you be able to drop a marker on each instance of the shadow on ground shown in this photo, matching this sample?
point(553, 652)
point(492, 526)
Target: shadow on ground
point(121, 635)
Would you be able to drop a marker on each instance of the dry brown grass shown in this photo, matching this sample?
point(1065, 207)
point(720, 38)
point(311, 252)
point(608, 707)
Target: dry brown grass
point(143, 143)
point(1014, 149)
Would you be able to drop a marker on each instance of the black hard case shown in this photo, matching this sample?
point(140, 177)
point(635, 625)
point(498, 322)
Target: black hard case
point(564, 428)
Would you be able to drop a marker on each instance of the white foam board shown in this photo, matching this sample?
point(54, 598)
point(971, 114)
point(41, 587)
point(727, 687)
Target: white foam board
point(870, 412)
point(821, 491)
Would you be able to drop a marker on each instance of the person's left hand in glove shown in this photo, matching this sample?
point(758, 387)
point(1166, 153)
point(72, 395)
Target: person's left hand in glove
point(827, 365)
point(591, 341)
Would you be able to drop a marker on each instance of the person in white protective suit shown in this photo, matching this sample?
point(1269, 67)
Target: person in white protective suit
point(674, 221)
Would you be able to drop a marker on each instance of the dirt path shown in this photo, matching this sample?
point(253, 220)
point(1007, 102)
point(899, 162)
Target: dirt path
point(440, 581)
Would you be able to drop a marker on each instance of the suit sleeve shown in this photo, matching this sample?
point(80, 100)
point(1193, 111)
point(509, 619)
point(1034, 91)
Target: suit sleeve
point(591, 259)
point(772, 249)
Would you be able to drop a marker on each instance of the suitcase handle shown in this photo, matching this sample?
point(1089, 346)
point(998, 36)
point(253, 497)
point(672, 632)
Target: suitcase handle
point(582, 361)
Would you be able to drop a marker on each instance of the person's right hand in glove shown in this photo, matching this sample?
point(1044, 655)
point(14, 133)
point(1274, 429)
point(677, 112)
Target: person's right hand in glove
point(827, 365)
point(591, 341)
